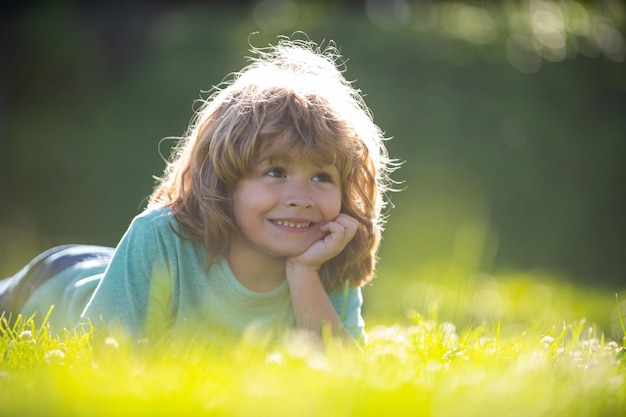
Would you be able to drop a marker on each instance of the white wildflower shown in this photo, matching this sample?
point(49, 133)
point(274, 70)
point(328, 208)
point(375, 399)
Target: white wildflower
point(276, 358)
point(111, 342)
point(54, 356)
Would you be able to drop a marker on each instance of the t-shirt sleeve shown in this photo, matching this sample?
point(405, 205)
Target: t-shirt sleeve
point(348, 303)
point(136, 284)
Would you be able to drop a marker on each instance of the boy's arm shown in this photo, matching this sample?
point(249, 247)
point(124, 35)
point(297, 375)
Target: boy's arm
point(312, 307)
point(136, 274)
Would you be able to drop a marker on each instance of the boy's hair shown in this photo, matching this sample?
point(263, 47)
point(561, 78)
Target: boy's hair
point(292, 99)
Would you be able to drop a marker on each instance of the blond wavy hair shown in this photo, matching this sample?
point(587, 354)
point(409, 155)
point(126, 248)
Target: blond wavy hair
point(291, 99)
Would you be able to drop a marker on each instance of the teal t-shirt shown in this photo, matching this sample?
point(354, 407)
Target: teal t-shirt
point(157, 280)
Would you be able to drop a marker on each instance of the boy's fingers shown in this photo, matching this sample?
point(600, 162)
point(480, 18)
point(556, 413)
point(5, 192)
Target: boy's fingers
point(348, 223)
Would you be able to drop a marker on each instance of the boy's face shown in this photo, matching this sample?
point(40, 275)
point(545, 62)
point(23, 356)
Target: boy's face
point(279, 208)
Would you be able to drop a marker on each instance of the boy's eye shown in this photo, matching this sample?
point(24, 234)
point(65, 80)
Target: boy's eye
point(323, 177)
point(276, 172)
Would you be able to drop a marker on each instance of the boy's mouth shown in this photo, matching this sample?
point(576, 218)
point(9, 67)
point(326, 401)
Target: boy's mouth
point(295, 225)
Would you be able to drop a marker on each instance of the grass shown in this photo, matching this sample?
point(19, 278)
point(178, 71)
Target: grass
point(519, 344)
point(421, 366)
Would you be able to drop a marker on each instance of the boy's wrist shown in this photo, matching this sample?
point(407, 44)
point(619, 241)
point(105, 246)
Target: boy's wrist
point(298, 270)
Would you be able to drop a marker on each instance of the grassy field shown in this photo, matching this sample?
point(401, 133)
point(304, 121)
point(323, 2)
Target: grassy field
point(495, 132)
point(421, 365)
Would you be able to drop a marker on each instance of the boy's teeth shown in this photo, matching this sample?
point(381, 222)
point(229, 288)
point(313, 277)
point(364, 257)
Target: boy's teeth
point(290, 224)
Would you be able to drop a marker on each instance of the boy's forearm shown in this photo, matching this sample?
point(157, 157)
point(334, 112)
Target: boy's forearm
point(312, 307)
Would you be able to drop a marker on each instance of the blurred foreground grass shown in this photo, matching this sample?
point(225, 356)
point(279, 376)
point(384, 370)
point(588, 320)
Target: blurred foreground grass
point(512, 349)
point(443, 341)
point(427, 367)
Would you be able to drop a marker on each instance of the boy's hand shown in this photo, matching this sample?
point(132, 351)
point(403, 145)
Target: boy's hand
point(339, 233)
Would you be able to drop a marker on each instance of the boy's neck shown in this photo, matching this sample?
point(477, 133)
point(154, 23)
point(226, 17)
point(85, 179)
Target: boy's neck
point(256, 272)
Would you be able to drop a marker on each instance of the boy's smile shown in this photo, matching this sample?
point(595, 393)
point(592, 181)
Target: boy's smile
point(291, 224)
point(279, 208)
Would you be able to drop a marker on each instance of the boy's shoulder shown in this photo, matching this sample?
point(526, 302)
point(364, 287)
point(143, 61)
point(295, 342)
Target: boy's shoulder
point(156, 214)
point(160, 217)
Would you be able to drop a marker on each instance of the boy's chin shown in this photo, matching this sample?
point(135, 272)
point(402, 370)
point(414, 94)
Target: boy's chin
point(293, 252)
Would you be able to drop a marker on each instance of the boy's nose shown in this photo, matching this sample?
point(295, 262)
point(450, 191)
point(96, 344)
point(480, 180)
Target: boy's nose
point(300, 200)
point(298, 196)
point(300, 203)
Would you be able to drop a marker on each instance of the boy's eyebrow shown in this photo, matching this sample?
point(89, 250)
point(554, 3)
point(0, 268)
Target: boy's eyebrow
point(264, 161)
point(273, 158)
point(276, 157)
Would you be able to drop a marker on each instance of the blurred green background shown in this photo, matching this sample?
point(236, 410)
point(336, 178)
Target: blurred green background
point(510, 119)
